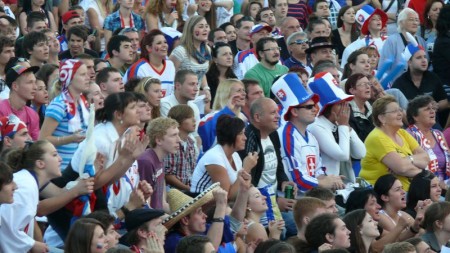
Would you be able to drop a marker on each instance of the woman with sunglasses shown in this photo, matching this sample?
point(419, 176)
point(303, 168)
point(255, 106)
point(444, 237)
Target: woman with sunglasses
point(421, 115)
point(390, 149)
point(34, 167)
point(154, 62)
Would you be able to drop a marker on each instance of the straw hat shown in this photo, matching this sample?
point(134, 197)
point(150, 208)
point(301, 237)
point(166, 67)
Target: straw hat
point(182, 205)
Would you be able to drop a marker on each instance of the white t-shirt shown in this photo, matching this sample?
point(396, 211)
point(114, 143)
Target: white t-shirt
point(92, 4)
point(269, 173)
point(214, 156)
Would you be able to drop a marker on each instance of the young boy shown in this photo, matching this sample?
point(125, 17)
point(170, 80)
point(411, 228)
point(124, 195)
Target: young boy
point(180, 166)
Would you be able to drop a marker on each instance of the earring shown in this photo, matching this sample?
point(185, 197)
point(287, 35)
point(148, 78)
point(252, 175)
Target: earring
point(121, 122)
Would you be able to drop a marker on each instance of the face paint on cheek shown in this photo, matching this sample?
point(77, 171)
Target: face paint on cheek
point(197, 33)
point(203, 4)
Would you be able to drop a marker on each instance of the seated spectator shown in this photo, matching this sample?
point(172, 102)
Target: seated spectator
point(120, 53)
point(87, 234)
point(326, 195)
point(360, 120)
point(154, 62)
point(35, 6)
point(7, 184)
point(34, 167)
point(88, 60)
point(8, 27)
point(95, 96)
point(19, 79)
point(333, 124)
point(424, 187)
point(7, 50)
point(40, 101)
point(221, 163)
point(180, 166)
point(256, 208)
point(399, 247)
point(143, 224)
point(110, 81)
point(435, 226)
point(252, 92)
point(358, 63)
point(152, 89)
point(107, 221)
point(230, 99)
point(421, 115)
point(36, 48)
point(299, 111)
point(325, 228)
point(69, 19)
point(164, 140)
point(392, 199)
point(242, 36)
point(363, 230)
point(305, 209)
point(67, 115)
point(13, 132)
point(144, 112)
point(420, 245)
point(319, 49)
point(192, 220)
point(193, 243)
point(48, 73)
point(297, 43)
point(76, 37)
point(383, 148)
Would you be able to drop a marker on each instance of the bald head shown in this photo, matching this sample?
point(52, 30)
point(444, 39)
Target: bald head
point(264, 115)
point(289, 25)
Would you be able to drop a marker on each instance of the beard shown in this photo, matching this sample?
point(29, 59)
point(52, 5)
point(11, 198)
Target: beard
point(271, 63)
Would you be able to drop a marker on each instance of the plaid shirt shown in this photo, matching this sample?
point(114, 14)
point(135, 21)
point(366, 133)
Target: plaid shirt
point(112, 22)
point(183, 162)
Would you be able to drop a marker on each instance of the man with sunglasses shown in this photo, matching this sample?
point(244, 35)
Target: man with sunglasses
point(297, 43)
point(300, 149)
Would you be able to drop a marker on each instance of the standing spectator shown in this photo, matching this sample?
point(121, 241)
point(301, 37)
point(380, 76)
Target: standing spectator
point(22, 86)
point(268, 68)
point(66, 118)
point(154, 62)
point(252, 9)
point(124, 17)
point(180, 166)
point(280, 9)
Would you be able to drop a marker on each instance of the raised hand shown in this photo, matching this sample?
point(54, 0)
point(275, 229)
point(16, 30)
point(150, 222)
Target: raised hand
point(250, 161)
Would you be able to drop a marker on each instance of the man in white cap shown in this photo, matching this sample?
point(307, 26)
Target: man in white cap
point(300, 150)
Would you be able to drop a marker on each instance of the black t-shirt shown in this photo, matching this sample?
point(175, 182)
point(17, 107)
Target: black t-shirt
point(430, 85)
point(66, 54)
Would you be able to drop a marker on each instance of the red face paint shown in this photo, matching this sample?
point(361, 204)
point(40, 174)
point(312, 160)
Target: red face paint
point(203, 4)
point(197, 33)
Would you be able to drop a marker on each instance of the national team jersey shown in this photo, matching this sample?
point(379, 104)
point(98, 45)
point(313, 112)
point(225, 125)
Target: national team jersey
point(244, 61)
point(300, 156)
point(142, 68)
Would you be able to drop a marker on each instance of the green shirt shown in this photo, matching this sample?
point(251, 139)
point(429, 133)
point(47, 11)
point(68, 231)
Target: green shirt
point(265, 76)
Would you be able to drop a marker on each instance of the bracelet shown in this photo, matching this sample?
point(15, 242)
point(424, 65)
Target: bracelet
point(125, 210)
point(218, 220)
point(205, 88)
point(412, 230)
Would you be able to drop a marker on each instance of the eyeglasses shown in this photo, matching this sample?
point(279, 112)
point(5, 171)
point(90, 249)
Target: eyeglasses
point(299, 42)
point(307, 107)
point(399, 110)
point(367, 84)
point(272, 49)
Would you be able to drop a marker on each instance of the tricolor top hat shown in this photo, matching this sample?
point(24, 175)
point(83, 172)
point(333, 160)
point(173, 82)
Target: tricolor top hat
point(364, 15)
point(327, 88)
point(412, 48)
point(290, 92)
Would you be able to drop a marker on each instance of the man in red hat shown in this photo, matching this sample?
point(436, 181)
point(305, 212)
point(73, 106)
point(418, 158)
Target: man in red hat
point(69, 19)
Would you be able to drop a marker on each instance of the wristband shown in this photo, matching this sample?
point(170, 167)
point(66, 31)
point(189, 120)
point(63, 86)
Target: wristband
point(125, 210)
point(218, 220)
point(412, 230)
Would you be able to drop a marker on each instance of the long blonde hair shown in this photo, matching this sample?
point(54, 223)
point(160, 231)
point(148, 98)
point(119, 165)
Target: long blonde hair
point(187, 39)
point(223, 93)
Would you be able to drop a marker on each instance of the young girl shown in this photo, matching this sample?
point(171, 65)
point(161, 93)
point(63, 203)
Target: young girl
point(34, 166)
point(86, 236)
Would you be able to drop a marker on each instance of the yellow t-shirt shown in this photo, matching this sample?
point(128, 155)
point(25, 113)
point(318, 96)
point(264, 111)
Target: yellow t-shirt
point(378, 144)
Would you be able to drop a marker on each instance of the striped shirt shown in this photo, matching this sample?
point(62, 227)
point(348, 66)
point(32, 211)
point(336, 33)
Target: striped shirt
point(300, 12)
point(57, 110)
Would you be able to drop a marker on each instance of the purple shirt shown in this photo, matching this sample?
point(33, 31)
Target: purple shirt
point(151, 169)
point(26, 114)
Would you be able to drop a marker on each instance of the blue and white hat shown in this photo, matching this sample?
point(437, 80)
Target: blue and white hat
point(412, 47)
point(289, 90)
point(259, 27)
point(328, 90)
point(364, 14)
